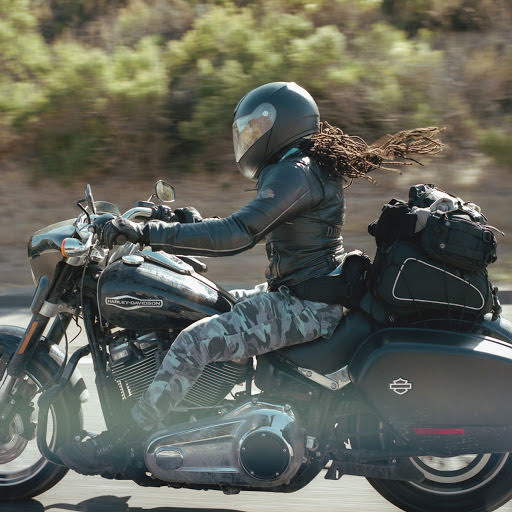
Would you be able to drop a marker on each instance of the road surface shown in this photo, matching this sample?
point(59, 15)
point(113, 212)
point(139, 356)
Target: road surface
point(94, 494)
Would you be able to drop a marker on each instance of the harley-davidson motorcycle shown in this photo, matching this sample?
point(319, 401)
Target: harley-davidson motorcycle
point(421, 411)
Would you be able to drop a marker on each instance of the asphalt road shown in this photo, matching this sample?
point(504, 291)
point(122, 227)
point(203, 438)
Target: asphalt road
point(94, 494)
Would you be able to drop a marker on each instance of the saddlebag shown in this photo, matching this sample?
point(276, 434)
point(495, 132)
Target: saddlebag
point(444, 392)
point(408, 281)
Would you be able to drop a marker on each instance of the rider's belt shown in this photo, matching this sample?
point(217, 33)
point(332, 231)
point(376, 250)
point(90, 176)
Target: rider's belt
point(324, 289)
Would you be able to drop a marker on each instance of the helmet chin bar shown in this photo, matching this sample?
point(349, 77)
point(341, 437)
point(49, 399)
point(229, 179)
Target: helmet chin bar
point(254, 160)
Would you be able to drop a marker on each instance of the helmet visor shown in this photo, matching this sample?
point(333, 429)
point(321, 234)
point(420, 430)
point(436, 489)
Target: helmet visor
point(248, 129)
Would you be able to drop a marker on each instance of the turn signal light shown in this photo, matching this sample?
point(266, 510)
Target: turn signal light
point(72, 247)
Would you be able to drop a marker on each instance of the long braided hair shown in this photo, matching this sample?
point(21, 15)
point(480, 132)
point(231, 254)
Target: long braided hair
point(351, 157)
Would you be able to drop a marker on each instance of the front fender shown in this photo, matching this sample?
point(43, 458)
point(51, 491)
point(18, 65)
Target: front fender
point(10, 337)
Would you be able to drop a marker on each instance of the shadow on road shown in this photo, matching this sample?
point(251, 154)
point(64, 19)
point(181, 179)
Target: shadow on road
point(99, 504)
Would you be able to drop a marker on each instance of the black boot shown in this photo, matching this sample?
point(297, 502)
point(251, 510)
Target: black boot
point(108, 452)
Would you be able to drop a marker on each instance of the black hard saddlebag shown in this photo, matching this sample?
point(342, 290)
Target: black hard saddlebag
point(407, 280)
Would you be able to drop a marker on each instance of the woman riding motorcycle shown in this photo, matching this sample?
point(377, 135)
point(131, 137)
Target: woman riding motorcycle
point(298, 209)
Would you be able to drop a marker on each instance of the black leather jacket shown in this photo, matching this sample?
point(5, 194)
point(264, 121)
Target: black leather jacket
point(298, 209)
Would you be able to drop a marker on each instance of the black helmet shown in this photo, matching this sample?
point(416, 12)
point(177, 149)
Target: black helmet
point(268, 120)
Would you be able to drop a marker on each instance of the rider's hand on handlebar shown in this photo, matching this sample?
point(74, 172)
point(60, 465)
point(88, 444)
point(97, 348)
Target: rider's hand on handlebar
point(162, 212)
point(99, 223)
point(187, 215)
point(120, 230)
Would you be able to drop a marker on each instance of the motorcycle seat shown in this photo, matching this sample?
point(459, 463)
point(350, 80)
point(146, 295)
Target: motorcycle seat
point(328, 355)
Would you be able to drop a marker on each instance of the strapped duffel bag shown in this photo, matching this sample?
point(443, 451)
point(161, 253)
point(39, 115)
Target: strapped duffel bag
point(457, 239)
point(408, 281)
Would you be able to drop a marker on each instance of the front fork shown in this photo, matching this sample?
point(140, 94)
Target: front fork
point(44, 307)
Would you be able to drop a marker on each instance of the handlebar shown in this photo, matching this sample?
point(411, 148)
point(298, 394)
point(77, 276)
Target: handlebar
point(74, 249)
point(139, 212)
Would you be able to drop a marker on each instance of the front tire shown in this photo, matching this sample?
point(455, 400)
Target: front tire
point(24, 472)
point(467, 483)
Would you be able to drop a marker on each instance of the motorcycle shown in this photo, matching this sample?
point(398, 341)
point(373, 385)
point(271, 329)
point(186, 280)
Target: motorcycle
point(421, 411)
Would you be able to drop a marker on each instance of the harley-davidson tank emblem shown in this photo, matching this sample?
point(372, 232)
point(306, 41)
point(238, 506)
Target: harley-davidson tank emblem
point(400, 386)
point(129, 302)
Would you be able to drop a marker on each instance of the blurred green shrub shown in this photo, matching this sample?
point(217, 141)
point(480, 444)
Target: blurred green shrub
point(141, 18)
point(148, 84)
point(488, 81)
point(80, 108)
point(373, 83)
point(458, 15)
point(497, 144)
point(229, 51)
point(58, 16)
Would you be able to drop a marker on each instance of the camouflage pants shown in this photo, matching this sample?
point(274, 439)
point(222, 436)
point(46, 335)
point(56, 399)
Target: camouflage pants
point(261, 322)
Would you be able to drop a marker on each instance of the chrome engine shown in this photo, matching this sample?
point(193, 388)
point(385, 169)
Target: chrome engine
point(133, 364)
point(256, 444)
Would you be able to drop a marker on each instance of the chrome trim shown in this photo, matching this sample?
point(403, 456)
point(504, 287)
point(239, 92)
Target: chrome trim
point(333, 381)
point(169, 458)
point(49, 310)
point(139, 211)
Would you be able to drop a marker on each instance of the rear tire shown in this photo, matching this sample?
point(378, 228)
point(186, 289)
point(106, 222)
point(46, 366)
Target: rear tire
point(468, 483)
point(18, 482)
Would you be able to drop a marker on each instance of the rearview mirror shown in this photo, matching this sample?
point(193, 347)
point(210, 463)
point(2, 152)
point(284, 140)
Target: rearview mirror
point(165, 192)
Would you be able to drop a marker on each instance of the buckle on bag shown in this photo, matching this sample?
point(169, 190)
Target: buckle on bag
point(487, 236)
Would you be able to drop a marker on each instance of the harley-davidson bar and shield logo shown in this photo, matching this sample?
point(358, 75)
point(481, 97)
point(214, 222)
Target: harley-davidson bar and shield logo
point(129, 302)
point(400, 386)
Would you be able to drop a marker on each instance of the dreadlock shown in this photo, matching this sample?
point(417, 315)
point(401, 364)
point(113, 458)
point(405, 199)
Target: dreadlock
point(351, 157)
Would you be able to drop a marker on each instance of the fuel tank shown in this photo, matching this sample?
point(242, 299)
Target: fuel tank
point(444, 392)
point(155, 291)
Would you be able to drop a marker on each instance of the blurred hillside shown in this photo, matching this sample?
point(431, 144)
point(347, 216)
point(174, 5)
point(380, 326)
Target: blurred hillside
point(132, 86)
point(121, 92)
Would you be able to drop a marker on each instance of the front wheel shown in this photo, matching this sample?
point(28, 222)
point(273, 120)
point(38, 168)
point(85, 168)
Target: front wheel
point(24, 472)
point(466, 483)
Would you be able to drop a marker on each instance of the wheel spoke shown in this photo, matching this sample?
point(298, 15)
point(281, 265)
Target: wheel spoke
point(20, 459)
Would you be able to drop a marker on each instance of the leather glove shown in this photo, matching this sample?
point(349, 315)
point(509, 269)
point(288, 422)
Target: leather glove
point(120, 230)
point(162, 212)
point(187, 215)
point(99, 222)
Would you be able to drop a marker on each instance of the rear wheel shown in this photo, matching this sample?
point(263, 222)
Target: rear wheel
point(466, 483)
point(24, 472)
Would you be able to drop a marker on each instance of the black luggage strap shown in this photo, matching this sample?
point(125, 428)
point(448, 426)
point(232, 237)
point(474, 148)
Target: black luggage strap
point(496, 304)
